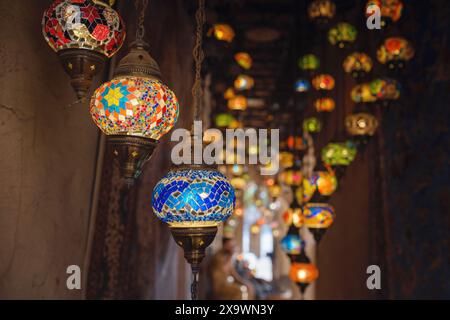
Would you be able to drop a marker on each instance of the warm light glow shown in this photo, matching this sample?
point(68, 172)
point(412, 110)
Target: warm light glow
point(323, 82)
point(318, 215)
point(390, 9)
point(321, 9)
point(361, 124)
point(324, 105)
point(385, 89)
point(244, 60)
point(303, 272)
point(237, 103)
point(243, 82)
point(222, 32)
point(291, 177)
point(286, 159)
point(229, 94)
point(357, 63)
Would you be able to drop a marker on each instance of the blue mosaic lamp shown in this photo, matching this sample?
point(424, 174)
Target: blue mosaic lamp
point(292, 244)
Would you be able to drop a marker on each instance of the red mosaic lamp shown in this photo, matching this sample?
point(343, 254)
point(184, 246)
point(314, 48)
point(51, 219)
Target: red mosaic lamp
point(84, 33)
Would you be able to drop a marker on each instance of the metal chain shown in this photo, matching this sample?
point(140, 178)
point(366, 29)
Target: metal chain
point(194, 285)
point(140, 28)
point(199, 56)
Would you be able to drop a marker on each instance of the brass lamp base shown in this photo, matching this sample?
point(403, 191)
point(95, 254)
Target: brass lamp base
point(194, 242)
point(132, 153)
point(82, 66)
point(317, 233)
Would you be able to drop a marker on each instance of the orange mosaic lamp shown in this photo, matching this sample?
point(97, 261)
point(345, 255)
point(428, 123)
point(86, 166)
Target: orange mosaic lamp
point(244, 60)
point(323, 82)
point(243, 82)
point(135, 109)
point(391, 10)
point(222, 32)
point(324, 105)
point(358, 64)
point(318, 218)
point(303, 272)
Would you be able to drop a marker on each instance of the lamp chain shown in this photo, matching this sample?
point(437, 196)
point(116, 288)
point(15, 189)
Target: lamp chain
point(140, 29)
point(199, 56)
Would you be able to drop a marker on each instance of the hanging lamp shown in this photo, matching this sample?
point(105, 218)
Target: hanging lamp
point(84, 33)
point(135, 109)
point(193, 199)
point(303, 272)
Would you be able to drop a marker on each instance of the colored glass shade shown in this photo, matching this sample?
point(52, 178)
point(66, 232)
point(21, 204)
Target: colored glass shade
point(390, 9)
point(361, 124)
point(134, 106)
point(304, 193)
point(318, 215)
point(187, 198)
point(237, 103)
point(293, 216)
point(343, 33)
point(296, 143)
point(222, 32)
point(357, 62)
point(292, 244)
point(238, 183)
point(243, 82)
point(321, 9)
point(244, 60)
point(325, 182)
point(309, 62)
point(339, 154)
point(224, 120)
point(362, 93)
point(324, 105)
point(286, 159)
point(302, 85)
point(312, 125)
point(385, 89)
point(229, 94)
point(275, 190)
point(291, 177)
point(323, 82)
point(395, 49)
point(303, 272)
point(83, 24)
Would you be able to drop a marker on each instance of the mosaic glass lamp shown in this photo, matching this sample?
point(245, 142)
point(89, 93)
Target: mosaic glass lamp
point(395, 52)
point(391, 10)
point(193, 200)
point(361, 93)
point(339, 154)
point(361, 124)
point(135, 109)
point(318, 218)
point(324, 104)
point(296, 143)
point(303, 272)
point(244, 60)
point(238, 103)
point(291, 177)
point(323, 82)
point(342, 34)
point(302, 85)
point(385, 90)
point(358, 64)
point(292, 244)
point(325, 182)
point(312, 125)
point(294, 216)
point(84, 33)
point(222, 32)
point(243, 82)
point(286, 159)
point(229, 94)
point(309, 62)
point(321, 11)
